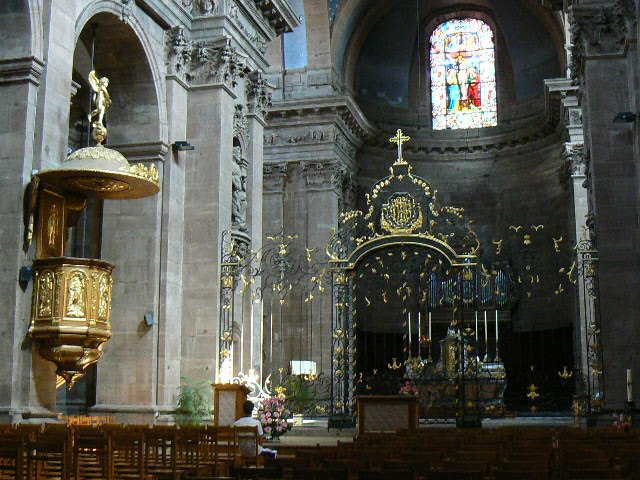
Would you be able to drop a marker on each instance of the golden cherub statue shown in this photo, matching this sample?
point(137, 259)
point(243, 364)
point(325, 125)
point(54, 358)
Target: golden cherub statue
point(102, 101)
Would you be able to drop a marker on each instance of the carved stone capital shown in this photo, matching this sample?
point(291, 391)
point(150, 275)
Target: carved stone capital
point(179, 51)
point(325, 175)
point(274, 176)
point(600, 32)
point(203, 62)
point(217, 64)
point(258, 93)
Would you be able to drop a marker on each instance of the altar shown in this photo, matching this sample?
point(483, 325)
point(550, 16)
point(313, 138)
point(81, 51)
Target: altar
point(405, 275)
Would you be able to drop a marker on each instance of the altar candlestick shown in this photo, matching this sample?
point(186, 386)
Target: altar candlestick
point(477, 356)
point(430, 340)
point(629, 386)
point(419, 329)
point(250, 330)
point(486, 339)
point(271, 333)
point(497, 359)
point(409, 321)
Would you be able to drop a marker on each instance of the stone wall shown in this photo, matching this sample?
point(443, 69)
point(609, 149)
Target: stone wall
point(166, 248)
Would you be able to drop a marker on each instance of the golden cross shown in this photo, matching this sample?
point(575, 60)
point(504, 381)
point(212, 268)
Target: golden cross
point(399, 139)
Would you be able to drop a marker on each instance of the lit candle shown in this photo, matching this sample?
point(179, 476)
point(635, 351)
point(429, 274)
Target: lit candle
point(409, 321)
point(250, 330)
point(486, 338)
point(419, 329)
point(476, 328)
point(629, 386)
point(497, 359)
point(429, 326)
point(477, 352)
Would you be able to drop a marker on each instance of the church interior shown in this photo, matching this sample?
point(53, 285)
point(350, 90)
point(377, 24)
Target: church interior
point(406, 232)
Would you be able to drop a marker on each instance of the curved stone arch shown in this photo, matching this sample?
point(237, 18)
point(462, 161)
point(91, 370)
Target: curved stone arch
point(21, 29)
point(348, 36)
point(37, 34)
point(134, 22)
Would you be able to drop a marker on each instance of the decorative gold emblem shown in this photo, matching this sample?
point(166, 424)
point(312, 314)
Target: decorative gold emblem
point(45, 295)
point(76, 295)
point(401, 214)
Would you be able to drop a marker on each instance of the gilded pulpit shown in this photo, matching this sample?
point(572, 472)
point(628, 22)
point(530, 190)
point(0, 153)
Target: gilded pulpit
point(71, 305)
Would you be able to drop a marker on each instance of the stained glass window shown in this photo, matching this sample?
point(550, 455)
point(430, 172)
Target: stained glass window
point(463, 75)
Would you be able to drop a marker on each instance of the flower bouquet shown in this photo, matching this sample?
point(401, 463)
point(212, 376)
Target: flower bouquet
point(274, 417)
point(409, 388)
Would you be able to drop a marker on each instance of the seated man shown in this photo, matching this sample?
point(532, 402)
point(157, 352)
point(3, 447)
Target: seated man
point(247, 446)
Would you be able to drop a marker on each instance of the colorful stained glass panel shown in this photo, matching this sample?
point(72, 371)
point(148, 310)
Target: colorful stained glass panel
point(463, 86)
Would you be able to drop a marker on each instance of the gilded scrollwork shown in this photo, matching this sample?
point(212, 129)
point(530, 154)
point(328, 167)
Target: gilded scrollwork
point(149, 173)
point(45, 294)
point(104, 297)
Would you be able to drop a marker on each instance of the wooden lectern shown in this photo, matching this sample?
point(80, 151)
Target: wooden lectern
point(228, 399)
point(387, 413)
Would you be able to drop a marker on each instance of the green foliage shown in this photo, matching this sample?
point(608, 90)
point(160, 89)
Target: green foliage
point(304, 392)
point(194, 402)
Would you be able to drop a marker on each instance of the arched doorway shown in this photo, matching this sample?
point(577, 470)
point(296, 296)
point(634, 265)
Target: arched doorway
point(114, 50)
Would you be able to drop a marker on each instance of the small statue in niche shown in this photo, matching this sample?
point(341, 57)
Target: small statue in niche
point(75, 296)
point(207, 7)
point(239, 191)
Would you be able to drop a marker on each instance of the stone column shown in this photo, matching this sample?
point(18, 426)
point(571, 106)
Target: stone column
point(171, 267)
point(259, 100)
point(576, 165)
point(604, 64)
point(132, 232)
point(274, 183)
point(324, 193)
point(207, 205)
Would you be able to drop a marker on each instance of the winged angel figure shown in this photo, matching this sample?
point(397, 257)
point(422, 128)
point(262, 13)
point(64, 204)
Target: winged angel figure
point(101, 98)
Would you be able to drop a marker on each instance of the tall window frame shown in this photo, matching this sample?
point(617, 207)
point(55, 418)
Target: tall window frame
point(462, 67)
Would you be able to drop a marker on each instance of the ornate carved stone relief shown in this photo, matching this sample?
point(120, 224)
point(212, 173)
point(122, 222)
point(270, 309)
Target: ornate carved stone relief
point(299, 135)
point(600, 31)
point(200, 7)
point(203, 62)
point(240, 124)
point(574, 155)
point(258, 93)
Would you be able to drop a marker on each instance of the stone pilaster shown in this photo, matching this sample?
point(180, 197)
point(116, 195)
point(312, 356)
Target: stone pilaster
point(258, 101)
point(19, 82)
point(133, 234)
point(207, 202)
point(317, 140)
point(603, 56)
